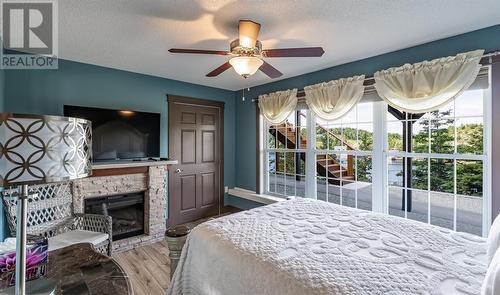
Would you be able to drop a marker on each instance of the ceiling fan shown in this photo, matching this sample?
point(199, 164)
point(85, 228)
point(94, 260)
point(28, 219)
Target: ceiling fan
point(248, 54)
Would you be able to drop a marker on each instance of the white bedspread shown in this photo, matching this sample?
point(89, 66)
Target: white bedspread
point(305, 246)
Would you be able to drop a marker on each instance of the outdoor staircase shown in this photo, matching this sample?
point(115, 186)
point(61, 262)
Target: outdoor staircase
point(326, 165)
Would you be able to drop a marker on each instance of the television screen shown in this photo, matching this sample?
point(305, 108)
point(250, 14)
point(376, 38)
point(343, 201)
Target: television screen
point(120, 134)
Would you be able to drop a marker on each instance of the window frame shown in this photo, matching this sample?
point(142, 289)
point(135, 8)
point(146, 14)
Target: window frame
point(455, 156)
point(264, 155)
point(356, 154)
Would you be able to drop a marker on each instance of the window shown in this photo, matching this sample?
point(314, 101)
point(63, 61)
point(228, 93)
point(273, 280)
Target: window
point(431, 167)
point(286, 156)
point(344, 149)
point(435, 164)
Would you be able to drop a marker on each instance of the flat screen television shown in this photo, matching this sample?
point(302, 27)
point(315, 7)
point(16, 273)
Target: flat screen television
point(120, 134)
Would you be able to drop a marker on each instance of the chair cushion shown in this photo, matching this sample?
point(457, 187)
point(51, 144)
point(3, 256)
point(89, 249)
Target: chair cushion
point(75, 237)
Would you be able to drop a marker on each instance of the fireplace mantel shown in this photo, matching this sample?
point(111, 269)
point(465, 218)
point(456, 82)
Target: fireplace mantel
point(129, 164)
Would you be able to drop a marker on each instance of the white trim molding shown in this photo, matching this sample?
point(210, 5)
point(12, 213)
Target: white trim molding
point(253, 196)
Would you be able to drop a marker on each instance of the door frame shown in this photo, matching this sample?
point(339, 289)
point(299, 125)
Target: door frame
point(177, 99)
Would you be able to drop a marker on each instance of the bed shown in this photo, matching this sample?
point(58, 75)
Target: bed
point(305, 246)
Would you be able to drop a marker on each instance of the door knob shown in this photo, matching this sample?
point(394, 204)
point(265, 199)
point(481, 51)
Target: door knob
point(178, 170)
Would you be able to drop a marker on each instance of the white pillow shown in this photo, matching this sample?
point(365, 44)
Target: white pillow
point(491, 283)
point(493, 242)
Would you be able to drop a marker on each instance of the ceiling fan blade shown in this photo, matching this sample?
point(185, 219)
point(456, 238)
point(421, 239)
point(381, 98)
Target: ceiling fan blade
point(198, 51)
point(269, 70)
point(294, 52)
point(219, 70)
point(249, 33)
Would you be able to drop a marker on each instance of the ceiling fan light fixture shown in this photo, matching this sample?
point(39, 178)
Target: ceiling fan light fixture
point(246, 66)
point(249, 32)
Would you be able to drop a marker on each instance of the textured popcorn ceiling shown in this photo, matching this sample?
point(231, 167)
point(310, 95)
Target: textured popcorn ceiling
point(135, 35)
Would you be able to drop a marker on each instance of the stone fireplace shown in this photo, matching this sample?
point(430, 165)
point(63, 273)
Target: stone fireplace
point(114, 188)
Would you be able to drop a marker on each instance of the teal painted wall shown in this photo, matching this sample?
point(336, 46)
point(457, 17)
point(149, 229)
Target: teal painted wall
point(488, 39)
point(46, 91)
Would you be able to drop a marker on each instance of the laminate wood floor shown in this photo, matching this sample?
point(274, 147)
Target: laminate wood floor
point(148, 268)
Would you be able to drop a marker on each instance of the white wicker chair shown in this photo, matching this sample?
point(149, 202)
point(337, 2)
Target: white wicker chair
point(51, 215)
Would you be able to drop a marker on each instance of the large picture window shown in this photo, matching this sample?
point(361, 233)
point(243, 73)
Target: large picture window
point(431, 167)
point(435, 163)
point(286, 146)
point(343, 158)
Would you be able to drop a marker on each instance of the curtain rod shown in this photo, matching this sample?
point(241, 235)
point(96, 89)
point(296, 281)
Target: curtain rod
point(486, 60)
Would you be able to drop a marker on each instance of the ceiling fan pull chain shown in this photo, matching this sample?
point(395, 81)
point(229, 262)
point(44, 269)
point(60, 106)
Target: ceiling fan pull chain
point(243, 91)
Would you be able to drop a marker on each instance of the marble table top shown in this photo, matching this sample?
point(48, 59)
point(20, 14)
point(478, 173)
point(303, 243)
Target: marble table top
point(80, 270)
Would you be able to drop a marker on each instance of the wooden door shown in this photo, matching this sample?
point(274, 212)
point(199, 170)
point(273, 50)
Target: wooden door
point(196, 141)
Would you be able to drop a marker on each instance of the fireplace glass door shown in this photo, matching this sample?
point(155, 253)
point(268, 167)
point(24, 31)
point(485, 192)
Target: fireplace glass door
point(126, 211)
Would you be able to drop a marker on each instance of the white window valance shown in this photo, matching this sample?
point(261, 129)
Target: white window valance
point(332, 100)
point(427, 85)
point(277, 106)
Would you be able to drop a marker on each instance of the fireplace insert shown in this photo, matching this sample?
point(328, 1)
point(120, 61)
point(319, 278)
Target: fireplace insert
point(127, 212)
